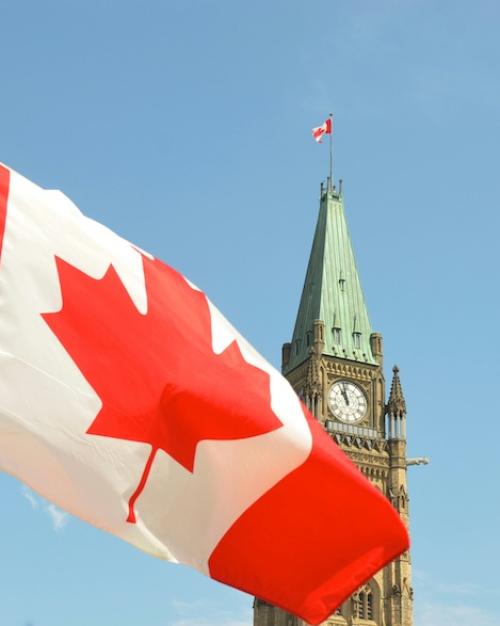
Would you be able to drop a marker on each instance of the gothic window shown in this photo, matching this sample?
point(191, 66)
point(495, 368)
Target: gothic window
point(308, 339)
point(297, 346)
point(357, 339)
point(365, 604)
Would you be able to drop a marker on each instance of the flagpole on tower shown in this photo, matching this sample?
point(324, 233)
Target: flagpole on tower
point(331, 151)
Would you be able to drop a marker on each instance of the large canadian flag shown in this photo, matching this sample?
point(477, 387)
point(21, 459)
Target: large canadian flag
point(127, 399)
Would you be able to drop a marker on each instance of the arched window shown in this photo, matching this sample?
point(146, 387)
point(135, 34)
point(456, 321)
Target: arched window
point(363, 605)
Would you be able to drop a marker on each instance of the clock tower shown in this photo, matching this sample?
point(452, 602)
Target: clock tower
point(335, 364)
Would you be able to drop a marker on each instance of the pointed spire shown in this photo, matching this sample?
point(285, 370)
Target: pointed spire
point(332, 292)
point(396, 406)
point(396, 409)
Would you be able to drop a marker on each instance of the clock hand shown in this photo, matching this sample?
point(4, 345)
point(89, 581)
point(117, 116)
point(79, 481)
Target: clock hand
point(344, 393)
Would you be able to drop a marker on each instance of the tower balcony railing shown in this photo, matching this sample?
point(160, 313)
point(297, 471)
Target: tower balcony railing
point(333, 426)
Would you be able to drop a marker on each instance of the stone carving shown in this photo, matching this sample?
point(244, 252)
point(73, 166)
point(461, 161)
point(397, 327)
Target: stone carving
point(396, 590)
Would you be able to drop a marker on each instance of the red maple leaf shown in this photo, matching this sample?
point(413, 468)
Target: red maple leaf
point(157, 376)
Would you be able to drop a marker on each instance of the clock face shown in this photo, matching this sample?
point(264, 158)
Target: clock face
point(347, 401)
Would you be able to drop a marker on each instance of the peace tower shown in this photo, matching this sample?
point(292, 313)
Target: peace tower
point(335, 364)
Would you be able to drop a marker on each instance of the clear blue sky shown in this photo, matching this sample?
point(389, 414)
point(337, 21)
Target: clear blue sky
point(184, 125)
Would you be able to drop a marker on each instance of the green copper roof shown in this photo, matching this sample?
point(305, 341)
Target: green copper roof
point(332, 292)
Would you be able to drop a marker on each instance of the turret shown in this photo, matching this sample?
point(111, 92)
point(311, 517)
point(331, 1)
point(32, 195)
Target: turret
point(396, 409)
point(398, 573)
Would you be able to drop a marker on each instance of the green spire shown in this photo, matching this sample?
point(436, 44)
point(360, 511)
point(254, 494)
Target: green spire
point(332, 292)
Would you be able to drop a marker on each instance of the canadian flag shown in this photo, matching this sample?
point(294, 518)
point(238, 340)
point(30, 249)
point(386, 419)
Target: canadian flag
point(127, 399)
point(324, 129)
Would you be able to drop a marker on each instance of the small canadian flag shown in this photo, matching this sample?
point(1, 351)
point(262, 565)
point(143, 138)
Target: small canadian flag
point(325, 129)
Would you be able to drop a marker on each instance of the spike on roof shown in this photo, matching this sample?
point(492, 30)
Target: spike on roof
point(396, 405)
point(332, 291)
